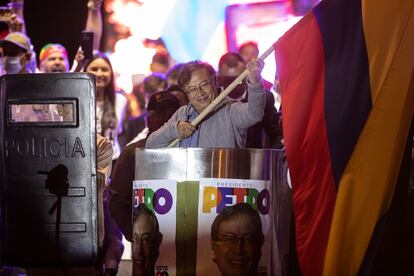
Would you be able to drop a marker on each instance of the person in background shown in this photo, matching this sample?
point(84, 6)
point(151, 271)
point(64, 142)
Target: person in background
point(226, 125)
point(15, 23)
point(138, 93)
point(153, 83)
point(110, 105)
point(16, 53)
point(162, 59)
point(248, 51)
point(172, 74)
point(94, 22)
point(161, 107)
point(160, 63)
point(94, 25)
point(53, 58)
point(179, 93)
point(265, 134)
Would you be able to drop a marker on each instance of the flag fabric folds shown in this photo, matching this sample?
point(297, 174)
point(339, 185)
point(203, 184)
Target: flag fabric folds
point(346, 76)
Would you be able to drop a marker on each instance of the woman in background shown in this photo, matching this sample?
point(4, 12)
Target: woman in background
point(110, 105)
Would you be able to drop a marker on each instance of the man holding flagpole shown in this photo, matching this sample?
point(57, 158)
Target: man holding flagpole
point(226, 125)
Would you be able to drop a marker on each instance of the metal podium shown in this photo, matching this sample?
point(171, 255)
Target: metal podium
point(186, 189)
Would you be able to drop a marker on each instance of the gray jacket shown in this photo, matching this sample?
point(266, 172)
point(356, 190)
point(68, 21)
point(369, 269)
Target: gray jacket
point(225, 127)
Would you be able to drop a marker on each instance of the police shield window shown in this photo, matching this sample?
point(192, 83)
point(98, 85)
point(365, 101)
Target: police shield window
point(41, 112)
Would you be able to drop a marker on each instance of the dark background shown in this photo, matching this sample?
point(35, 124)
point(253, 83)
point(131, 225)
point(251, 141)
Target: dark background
point(54, 21)
point(62, 21)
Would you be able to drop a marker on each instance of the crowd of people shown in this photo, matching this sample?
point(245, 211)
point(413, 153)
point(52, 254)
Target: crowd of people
point(158, 111)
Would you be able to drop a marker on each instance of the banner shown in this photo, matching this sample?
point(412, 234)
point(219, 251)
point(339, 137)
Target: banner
point(205, 227)
point(154, 205)
point(346, 74)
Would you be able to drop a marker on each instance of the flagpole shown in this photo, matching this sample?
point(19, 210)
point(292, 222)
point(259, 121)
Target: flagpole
point(221, 97)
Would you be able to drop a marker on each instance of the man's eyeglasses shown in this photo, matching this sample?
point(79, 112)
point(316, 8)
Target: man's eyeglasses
point(203, 86)
point(232, 240)
point(144, 240)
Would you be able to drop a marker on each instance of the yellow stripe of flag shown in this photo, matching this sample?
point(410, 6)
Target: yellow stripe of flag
point(368, 182)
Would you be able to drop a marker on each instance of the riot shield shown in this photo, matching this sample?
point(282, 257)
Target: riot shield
point(48, 170)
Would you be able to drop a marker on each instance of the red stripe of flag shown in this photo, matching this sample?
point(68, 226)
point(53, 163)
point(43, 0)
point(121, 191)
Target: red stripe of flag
point(307, 148)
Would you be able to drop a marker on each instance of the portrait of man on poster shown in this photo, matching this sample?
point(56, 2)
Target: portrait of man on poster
point(237, 239)
point(146, 240)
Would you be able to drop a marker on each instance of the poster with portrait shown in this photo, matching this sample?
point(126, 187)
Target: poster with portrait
point(154, 227)
point(239, 243)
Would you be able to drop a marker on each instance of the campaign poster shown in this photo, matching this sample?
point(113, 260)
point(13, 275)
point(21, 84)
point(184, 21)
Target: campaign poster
point(154, 227)
point(234, 227)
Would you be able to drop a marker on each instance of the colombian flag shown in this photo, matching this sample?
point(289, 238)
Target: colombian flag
point(347, 82)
